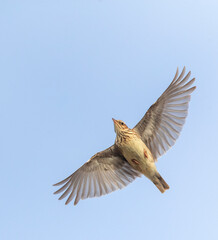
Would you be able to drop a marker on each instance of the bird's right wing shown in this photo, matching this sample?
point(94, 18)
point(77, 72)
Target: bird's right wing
point(105, 172)
point(163, 122)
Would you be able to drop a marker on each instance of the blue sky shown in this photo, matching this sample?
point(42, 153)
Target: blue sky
point(67, 68)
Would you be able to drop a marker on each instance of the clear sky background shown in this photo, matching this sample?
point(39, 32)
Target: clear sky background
point(67, 68)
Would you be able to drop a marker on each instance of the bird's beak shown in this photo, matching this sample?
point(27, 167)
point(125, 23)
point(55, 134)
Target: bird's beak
point(115, 125)
point(114, 120)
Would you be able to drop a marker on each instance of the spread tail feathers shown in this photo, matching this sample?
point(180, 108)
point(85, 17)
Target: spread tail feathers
point(160, 183)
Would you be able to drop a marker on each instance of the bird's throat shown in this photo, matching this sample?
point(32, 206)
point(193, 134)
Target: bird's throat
point(125, 136)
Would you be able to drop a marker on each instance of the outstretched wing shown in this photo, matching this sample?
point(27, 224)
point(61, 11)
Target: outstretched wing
point(105, 172)
point(162, 123)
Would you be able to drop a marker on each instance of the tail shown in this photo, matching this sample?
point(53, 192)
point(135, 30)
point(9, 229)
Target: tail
point(160, 183)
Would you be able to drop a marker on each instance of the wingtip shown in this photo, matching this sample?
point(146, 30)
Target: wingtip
point(62, 196)
point(75, 202)
point(183, 70)
point(68, 201)
point(56, 192)
point(177, 71)
point(188, 74)
point(57, 184)
point(176, 75)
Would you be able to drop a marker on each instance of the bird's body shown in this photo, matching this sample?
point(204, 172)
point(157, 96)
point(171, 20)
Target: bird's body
point(136, 150)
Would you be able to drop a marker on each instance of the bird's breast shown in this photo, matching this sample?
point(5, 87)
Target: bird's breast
point(135, 150)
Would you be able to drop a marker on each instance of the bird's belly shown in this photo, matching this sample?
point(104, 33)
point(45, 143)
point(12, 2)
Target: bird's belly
point(133, 150)
point(138, 155)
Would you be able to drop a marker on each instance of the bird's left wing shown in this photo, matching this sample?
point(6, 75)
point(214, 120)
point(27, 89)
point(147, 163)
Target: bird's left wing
point(162, 123)
point(105, 172)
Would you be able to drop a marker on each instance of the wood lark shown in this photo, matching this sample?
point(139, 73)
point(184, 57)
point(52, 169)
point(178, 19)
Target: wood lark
point(135, 150)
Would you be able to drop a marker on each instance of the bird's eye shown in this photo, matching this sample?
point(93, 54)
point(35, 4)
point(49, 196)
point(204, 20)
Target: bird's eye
point(122, 123)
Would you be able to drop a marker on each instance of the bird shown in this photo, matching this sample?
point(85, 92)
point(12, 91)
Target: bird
point(135, 150)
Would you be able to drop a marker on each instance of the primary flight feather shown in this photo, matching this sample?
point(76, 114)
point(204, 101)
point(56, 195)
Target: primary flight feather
point(135, 150)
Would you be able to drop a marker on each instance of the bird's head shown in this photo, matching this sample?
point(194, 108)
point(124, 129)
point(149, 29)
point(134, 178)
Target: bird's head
point(119, 126)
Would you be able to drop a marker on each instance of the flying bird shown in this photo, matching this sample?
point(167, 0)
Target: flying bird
point(136, 150)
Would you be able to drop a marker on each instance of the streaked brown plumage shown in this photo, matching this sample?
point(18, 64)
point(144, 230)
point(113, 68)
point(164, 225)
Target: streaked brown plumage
point(135, 150)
